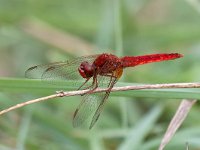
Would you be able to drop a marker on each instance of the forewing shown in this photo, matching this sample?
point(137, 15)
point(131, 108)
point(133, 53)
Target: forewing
point(37, 71)
point(67, 70)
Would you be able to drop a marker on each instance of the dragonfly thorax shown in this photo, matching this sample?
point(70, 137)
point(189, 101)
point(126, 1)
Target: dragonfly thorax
point(86, 70)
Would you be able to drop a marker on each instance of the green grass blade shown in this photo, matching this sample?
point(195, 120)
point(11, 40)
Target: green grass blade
point(37, 87)
point(138, 133)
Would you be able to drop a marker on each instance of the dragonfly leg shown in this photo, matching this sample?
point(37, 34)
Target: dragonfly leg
point(93, 82)
point(111, 77)
point(94, 85)
point(84, 84)
point(88, 87)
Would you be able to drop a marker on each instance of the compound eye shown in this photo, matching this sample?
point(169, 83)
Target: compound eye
point(86, 70)
point(82, 72)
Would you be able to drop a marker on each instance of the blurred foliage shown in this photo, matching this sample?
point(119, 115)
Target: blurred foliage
point(148, 26)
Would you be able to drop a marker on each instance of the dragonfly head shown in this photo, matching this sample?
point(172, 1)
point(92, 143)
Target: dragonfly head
point(86, 69)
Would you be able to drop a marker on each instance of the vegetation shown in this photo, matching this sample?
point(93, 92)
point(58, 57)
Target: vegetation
point(37, 32)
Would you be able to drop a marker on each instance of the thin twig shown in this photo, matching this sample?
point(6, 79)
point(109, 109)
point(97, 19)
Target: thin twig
point(115, 89)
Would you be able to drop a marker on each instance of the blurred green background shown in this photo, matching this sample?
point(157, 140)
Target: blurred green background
point(42, 31)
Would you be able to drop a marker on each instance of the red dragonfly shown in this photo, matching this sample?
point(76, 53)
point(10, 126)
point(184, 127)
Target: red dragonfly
point(102, 70)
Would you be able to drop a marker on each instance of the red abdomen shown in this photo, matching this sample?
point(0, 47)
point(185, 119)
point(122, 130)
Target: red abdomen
point(131, 61)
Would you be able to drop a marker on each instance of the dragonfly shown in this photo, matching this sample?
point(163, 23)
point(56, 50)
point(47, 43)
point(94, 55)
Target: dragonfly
point(95, 71)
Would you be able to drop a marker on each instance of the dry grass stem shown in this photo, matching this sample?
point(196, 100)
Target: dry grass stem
point(115, 89)
point(176, 121)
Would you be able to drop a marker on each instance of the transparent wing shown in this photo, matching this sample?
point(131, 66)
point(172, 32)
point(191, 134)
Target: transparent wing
point(104, 97)
point(86, 108)
point(93, 104)
point(67, 70)
point(89, 104)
